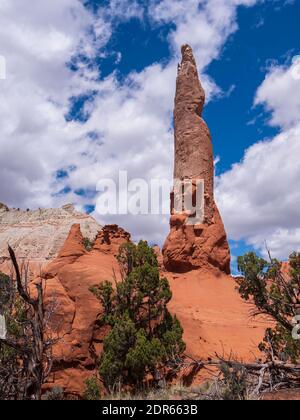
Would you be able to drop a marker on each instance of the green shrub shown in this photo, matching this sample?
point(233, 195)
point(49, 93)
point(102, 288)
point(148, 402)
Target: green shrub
point(92, 390)
point(88, 244)
point(6, 291)
point(144, 336)
point(12, 309)
point(275, 294)
point(234, 382)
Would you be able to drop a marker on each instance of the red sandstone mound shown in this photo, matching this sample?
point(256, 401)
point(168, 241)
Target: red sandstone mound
point(205, 244)
point(110, 238)
point(214, 317)
point(67, 281)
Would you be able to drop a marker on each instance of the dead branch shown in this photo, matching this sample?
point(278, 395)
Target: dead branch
point(265, 376)
point(34, 348)
point(22, 292)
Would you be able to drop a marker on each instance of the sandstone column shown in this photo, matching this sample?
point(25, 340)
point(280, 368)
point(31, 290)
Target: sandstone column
point(190, 246)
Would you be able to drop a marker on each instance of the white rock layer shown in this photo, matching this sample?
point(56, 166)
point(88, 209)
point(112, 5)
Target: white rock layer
point(38, 235)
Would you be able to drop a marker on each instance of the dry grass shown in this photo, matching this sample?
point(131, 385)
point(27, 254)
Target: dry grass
point(208, 391)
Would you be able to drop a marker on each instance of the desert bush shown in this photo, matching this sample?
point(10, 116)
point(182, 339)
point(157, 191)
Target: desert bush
point(92, 390)
point(6, 291)
point(55, 394)
point(144, 336)
point(234, 384)
point(12, 308)
point(275, 293)
point(88, 244)
point(216, 390)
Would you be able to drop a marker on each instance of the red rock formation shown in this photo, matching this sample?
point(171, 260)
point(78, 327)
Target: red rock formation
point(213, 315)
point(192, 245)
point(110, 238)
point(67, 281)
point(72, 249)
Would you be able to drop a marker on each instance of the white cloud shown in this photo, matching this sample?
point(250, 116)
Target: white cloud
point(204, 24)
point(260, 196)
point(280, 94)
point(35, 138)
point(124, 10)
point(132, 118)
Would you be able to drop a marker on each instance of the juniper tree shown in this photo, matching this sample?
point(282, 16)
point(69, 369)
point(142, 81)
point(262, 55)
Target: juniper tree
point(275, 291)
point(144, 336)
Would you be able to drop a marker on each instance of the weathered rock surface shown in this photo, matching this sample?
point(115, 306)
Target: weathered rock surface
point(67, 280)
point(110, 238)
point(38, 235)
point(190, 245)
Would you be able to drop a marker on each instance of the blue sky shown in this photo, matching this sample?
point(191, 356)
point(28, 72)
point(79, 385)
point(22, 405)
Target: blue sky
point(90, 88)
point(234, 122)
point(244, 63)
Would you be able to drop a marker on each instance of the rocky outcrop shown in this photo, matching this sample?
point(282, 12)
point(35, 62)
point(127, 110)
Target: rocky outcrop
point(110, 238)
point(197, 236)
point(38, 235)
point(72, 249)
point(67, 281)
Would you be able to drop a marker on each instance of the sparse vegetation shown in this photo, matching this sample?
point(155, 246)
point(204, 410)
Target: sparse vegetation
point(274, 288)
point(55, 394)
point(275, 293)
point(25, 350)
point(145, 339)
point(211, 391)
point(88, 244)
point(234, 382)
point(144, 344)
point(12, 311)
point(92, 389)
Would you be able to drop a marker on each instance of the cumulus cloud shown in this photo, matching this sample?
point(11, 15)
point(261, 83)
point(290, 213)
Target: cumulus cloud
point(204, 24)
point(260, 197)
point(279, 93)
point(47, 159)
point(37, 44)
point(34, 136)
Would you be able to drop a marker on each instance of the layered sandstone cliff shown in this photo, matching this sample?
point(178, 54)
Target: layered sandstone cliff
point(197, 238)
point(37, 236)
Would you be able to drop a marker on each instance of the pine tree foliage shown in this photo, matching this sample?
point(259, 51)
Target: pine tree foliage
point(275, 291)
point(144, 336)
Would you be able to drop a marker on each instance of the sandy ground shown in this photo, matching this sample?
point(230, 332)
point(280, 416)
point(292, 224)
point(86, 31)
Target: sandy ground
point(214, 317)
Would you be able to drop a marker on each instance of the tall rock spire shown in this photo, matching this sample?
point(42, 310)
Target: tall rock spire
point(192, 245)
